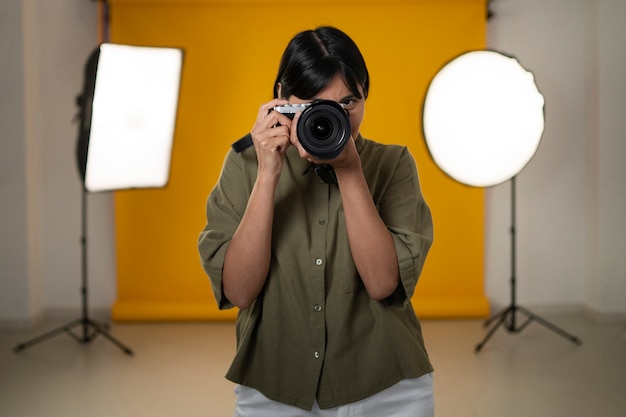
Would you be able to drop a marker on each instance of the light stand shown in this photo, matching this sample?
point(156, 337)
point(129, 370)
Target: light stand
point(483, 121)
point(89, 328)
point(508, 317)
point(127, 121)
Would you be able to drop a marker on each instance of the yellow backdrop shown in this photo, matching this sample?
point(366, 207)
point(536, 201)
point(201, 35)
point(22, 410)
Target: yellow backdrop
point(232, 49)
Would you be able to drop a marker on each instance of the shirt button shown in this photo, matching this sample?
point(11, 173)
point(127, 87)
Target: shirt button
point(318, 262)
point(316, 355)
point(322, 221)
point(317, 308)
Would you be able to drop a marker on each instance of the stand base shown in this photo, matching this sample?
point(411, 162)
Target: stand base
point(91, 329)
point(507, 318)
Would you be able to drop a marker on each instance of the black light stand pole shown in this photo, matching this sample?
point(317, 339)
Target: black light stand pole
point(507, 317)
point(90, 328)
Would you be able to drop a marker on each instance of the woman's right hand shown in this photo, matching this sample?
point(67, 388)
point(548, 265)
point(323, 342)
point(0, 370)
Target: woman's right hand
point(270, 136)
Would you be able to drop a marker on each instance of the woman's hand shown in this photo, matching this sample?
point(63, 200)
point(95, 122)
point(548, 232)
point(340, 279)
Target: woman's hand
point(271, 137)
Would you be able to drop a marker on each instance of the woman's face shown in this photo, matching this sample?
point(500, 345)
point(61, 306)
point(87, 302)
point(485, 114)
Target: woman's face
point(338, 91)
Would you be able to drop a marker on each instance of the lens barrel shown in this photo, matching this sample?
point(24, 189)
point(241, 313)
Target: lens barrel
point(324, 129)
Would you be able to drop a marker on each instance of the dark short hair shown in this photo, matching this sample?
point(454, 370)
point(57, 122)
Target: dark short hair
point(313, 57)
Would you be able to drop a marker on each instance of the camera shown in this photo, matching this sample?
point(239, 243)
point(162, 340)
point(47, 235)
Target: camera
point(323, 128)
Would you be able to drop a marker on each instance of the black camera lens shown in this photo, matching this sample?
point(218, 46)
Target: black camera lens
point(324, 129)
point(321, 129)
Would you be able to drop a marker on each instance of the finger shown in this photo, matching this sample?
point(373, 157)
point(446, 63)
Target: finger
point(283, 120)
point(294, 131)
point(269, 132)
point(266, 107)
point(278, 131)
point(269, 120)
point(273, 144)
point(269, 127)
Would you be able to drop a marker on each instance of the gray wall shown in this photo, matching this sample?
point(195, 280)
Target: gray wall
point(571, 199)
point(44, 45)
point(14, 251)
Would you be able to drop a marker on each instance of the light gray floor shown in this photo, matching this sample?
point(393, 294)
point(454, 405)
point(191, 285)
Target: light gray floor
point(178, 370)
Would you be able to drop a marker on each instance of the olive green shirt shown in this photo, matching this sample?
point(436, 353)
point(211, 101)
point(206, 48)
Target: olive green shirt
point(313, 332)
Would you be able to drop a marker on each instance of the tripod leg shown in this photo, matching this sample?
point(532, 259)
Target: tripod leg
point(496, 316)
point(102, 330)
point(502, 317)
point(85, 322)
point(63, 329)
point(551, 326)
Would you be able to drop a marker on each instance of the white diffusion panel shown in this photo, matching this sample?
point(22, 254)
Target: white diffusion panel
point(483, 118)
point(133, 117)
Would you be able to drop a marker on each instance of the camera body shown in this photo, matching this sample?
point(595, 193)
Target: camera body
point(323, 128)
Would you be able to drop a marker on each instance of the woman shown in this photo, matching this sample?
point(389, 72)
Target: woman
point(322, 268)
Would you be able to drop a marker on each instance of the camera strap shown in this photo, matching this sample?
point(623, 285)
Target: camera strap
point(242, 144)
point(325, 173)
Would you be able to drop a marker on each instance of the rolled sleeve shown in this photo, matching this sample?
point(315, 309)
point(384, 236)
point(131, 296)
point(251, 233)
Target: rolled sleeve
point(212, 256)
point(411, 250)
point(224, 210)
point(409, 220)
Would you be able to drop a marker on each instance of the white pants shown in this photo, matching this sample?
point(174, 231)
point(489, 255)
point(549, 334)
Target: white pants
point(407, 398)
